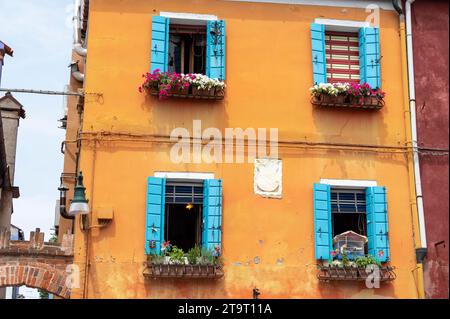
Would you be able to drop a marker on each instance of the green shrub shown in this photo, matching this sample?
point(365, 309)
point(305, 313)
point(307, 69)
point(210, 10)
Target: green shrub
point(176, 255)
point(193, 255)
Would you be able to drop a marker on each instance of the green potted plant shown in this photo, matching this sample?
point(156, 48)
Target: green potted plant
point(177, 259)
point(193, 257)
point(363, 262)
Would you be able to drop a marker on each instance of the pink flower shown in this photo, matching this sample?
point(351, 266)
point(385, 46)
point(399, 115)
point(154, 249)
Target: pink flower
point(380, 253)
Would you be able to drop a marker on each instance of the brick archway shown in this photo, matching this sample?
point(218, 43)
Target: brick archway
point(36, 264)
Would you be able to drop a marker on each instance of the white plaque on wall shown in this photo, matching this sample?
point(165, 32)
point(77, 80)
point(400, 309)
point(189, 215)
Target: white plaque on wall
point(268, 178)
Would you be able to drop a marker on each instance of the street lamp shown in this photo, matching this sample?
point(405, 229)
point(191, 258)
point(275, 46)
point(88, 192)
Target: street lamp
point(79, 204)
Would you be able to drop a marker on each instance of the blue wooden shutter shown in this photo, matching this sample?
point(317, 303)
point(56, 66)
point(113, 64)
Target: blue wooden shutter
point(212, 215)
point(319, 59)
point(369, 56)
point(377, 223)
point(160, 43)
point(216, 49)
point(322, 221)
point(154, 233)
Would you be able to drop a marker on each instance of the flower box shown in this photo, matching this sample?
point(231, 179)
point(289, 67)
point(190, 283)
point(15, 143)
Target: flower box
point(173, 85)
point(199, 95)
point(367, 102)
point(183, 91)
point(345, 95)
point(183, 271)
point(352, 273)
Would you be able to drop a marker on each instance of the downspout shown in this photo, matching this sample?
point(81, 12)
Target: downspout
point(412, 109)
point(411, 136)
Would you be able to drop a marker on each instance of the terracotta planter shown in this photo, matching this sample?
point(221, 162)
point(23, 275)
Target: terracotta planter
point(356, 101)
point(371, 100)
point(180, 91)
point(154, 90)
point(157, 270)
point(180, 270)
point(353, 272)
point(198, 92)
point(220, 92)
point(362, 273)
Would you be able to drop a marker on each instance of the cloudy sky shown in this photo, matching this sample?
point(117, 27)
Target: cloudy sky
point(40, 34)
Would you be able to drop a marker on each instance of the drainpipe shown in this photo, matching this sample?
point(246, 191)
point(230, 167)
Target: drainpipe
point(412, 107)
point(416, 187)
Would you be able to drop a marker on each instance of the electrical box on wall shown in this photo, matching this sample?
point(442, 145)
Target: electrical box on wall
point(104, 214)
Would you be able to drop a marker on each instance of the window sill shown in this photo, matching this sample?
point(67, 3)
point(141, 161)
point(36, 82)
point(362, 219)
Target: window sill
point(367, 102)
point(183, 271)
point(335, 273)
point(192, 93)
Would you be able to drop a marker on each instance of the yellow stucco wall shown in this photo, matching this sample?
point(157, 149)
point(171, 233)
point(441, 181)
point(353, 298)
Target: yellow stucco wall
point(269, 72)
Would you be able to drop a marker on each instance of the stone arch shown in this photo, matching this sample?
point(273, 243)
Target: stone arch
point(35, 274)
point(36, 264)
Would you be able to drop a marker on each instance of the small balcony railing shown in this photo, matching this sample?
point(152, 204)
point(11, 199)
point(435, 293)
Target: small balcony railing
point(352, 273)
point(184, 271)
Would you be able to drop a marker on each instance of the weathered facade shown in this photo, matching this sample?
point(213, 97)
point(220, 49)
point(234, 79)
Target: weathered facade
point(271, 244)
point(430, 45)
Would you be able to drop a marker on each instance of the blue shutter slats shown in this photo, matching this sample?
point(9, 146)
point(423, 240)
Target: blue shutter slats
point(322, 221)
point(377, 223)
point(154, 235)
point(160, 44)
point(369, 56)
point(318, 53)
point(212, 215)
point(216, 49)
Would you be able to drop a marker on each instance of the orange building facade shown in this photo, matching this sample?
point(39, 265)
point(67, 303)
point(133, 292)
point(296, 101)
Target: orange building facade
point(268, 242)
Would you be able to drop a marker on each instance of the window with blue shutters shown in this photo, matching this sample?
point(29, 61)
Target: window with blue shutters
point(160, 44)
point(322, 221)
point(154, 232)
point(212, 215)
point(346, 56)
point(377, 223)
point(185, 213)
point(194, 47)
point(339, 211)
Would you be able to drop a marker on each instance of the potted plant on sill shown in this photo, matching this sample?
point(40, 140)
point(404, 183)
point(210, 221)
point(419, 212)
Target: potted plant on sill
point(202, 85)
point(193, 257)
point(363, 262)
point(176, 257)
point(347, 95)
